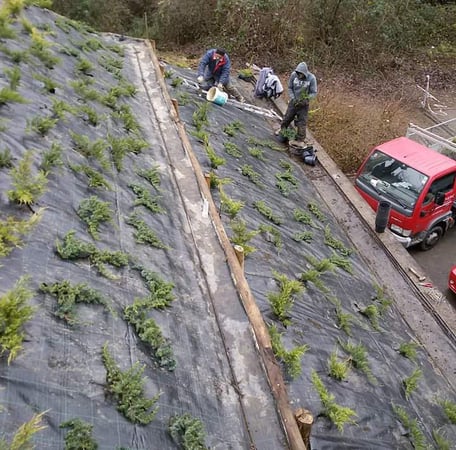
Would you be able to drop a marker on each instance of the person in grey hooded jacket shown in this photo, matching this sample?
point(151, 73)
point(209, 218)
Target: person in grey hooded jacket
point(302, 86)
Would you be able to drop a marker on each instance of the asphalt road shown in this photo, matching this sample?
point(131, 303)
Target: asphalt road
point(437, 262)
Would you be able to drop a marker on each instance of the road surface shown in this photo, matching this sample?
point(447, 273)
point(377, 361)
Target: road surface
point(437, 262)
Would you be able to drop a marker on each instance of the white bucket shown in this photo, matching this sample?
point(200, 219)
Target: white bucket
point(216, 96)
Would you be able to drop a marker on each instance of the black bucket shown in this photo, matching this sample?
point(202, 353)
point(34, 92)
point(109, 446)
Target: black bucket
point(382, 217)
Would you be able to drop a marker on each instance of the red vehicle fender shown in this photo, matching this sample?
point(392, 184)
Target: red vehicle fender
point(452, 279)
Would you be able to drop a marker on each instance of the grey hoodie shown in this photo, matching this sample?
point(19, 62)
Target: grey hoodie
point(302, 88)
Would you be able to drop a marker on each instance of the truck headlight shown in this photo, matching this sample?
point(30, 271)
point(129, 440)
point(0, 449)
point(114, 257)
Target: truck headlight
point(397, 229)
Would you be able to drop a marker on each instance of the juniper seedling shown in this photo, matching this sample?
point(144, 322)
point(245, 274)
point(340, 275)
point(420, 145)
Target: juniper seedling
point(6, 31)
point(232, 149)
point(81, 88)
point(322, 265)
point(145, 198)
point(338, 415)
point(89, 115)
point(84, 66)
point(271, 235)
point(442, 442)
point(22, 439)
point(371, 312)
point(288, 133)
point(14, 313)
point(96, 179)
point(241, 236)
point(160, 292)
point(176, 82)
point(313, 276)
point(6, 158)
point(127, 388)
point(267, 212)
point(338, 369)
point(385, 303)
point(79, 435)
point(254, 177)
point(292, 358)
point(257, 152)
point(27, 188)
point(411, 383)
point(305, 236)
point(228, 205)
point(282, 302)
point(72, 248)
point(199, 117)
point(152, 175)
point(68, 295)
point(264, 143)
point(124, 113)
point(336, 244)
point(89, 149)
point(187, 431)
point(52, 158)
point(304, 217)
point(11, 231)
point(233, 128)
point(344, 320)
point(49, 85)
point(8, 95)
point(94, 212)
point(216, 161)
point(415, 434)
point(14, 76)
point(315, 210)
point(217, 182)
point(120, 147)
point(59, 108)
point(201, 135)
point(408, 350)
point(144, 234)
point(149, 333)
point(358, 355)
point(449, 408)
point(41, 125)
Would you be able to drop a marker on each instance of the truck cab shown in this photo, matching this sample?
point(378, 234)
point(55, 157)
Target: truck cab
point(420, 185)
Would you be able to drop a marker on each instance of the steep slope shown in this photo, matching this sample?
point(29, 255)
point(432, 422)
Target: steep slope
point(133, 242)
point(119, 290)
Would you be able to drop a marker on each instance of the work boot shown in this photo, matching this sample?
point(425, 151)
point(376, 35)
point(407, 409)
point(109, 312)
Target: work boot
point(298, 144)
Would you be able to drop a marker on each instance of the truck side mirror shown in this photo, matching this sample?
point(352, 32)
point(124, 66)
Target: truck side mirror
point(439, 198)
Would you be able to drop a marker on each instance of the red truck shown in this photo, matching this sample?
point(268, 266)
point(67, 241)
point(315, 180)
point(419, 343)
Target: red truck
point(418, 182)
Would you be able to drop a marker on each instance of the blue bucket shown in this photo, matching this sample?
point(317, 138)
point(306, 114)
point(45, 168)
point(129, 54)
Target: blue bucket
point(216, 96)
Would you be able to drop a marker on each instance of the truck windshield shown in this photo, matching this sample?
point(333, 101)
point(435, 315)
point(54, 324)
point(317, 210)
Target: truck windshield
point(393, 179)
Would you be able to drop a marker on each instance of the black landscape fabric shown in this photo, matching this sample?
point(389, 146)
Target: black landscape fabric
point(123, 235)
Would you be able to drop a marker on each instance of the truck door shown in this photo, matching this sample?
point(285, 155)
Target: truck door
point(430, 210)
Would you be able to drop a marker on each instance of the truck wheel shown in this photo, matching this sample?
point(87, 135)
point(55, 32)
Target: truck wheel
point(432, 237)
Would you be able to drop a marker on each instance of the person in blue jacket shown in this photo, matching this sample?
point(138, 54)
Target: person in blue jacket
point(214, 70)
point(302, 87)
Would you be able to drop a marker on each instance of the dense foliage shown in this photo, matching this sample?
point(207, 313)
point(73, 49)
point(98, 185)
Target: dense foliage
point(331, 32)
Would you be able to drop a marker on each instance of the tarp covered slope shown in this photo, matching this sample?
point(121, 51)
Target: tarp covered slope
point(297, 237)
point(92, 86)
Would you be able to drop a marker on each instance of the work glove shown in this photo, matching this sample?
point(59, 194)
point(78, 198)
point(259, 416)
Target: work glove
point(220, 86)
point(200, 79)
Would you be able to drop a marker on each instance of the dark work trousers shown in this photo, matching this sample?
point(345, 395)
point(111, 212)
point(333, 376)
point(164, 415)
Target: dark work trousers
point(300, 113)
point(228, 88)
